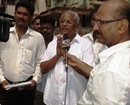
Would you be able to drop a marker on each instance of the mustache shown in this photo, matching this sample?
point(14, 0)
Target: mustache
point(38, 28)
point(64, 28)
point(96, 32)
point(45, 33)
point(21, 20)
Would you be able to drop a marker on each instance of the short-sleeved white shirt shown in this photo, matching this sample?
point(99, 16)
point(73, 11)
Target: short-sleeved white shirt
point(54, 93)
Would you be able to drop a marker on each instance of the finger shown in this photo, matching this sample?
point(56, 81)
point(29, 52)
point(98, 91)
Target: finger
point(64, 59)
point(59, 43)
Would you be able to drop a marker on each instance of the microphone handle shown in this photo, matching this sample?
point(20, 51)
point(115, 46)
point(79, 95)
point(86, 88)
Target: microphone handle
point(66, 60)
point(66, 67)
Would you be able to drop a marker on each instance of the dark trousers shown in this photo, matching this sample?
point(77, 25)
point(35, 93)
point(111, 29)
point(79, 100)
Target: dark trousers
point(17, 97)
point(38, 98)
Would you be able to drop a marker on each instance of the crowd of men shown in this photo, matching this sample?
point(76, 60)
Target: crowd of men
point(93, 69)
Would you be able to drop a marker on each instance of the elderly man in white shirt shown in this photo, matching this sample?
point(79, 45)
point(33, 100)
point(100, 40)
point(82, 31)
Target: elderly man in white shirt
point(66, 87)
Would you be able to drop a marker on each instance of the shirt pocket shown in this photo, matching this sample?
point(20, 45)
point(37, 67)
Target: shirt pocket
point(78, 53)
point(28, 57)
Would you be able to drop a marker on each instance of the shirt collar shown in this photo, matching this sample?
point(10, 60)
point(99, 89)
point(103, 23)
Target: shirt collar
point(90, 36)
point(77, 38)
point(110, 51)
point(28, 32)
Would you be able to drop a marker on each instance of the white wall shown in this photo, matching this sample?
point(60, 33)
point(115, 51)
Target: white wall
point(40, 6)
point(10, 10)
point(68, 3)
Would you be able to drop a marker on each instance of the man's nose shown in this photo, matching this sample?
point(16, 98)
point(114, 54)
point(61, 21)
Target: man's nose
point(95, 27)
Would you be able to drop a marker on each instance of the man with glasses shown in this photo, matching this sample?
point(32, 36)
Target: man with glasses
point(109, 81)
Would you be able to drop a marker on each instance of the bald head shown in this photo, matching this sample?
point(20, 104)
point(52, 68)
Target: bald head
point(112, 22)
point(116, 8)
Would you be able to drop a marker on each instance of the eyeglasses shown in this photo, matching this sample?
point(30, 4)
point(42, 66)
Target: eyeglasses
point(102, 22)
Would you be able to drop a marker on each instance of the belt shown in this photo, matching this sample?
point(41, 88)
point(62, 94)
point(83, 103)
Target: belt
point(11, 82)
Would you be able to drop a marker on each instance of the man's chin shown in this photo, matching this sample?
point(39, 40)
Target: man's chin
point(100, 41)
point(64, 32)
point(21, 24)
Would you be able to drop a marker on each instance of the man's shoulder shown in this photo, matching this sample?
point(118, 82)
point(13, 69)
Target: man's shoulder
point(88, 36)
point(86, 40)
point(35, 33)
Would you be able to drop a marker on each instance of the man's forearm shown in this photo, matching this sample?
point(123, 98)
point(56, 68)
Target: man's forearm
point(46, 66)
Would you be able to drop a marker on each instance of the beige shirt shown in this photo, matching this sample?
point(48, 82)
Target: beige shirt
point(21, 59)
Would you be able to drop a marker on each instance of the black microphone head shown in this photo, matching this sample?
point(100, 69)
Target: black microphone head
point(66, 42)
point(65, 36)
point(4, 29)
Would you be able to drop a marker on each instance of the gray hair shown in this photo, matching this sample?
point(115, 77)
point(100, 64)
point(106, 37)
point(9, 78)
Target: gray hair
point(76, 16)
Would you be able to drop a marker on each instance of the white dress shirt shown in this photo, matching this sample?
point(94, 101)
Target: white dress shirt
point(20, 59)
point(97, 47)
point(41, 86)
point(109, 83)
point(55, 88)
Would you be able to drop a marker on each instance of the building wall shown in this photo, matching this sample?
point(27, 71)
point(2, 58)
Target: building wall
point(40, 6)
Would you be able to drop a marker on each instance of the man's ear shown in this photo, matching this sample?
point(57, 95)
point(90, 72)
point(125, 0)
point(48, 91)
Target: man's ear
point(123, 25)
point(77, 26)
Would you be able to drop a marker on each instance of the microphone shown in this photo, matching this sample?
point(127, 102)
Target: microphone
point(66, 42)
point(66, 46)
point(4, 29)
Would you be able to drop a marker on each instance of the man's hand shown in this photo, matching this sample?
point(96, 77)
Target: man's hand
point(60, 50)
point(5, 82)
point(32, 86)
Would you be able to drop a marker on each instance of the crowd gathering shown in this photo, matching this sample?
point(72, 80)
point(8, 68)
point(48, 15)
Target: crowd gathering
point(94, 69)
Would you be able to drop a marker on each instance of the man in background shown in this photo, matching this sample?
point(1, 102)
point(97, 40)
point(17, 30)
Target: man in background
point(35, 24)
point(92, 36)
point(47, 26)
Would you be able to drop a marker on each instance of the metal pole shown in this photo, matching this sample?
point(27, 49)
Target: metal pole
point(66, 68)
